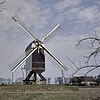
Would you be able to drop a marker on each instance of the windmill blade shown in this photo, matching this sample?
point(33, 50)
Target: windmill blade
point(22, 61)
point(50, 32)
point(54, 57)
point(23, 26)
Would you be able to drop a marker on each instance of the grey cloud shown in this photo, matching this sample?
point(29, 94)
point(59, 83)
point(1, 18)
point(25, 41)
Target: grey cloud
point(64, 4)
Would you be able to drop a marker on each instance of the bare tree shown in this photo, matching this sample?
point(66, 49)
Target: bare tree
point(1, 3)
point(94, 47)
point(84, 67)
point(93, 44)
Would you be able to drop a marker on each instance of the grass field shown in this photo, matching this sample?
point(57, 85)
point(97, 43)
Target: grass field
point(48, 92)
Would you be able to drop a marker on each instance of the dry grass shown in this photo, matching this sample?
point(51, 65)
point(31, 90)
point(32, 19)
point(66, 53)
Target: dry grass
point(47, 92)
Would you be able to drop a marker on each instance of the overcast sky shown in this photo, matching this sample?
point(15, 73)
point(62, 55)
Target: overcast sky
point(77, 19)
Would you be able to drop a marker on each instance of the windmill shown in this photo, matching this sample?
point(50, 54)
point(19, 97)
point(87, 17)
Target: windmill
point(35, 56)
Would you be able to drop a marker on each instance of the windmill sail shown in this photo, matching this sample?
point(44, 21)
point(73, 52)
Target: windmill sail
point(14, 66)
point(55, 58)
point(50, 32)
point(23, 26)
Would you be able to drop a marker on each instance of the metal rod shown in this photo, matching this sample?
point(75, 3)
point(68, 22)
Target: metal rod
point(12, 77)
point(22, 72)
